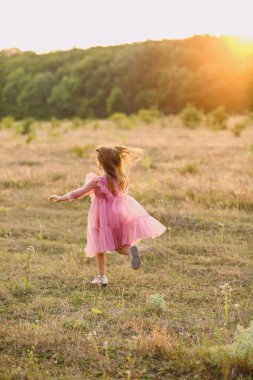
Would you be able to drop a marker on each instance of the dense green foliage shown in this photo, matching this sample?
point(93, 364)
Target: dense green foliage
point(165, 75)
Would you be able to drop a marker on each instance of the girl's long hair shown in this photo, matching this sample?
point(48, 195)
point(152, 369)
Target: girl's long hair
point(114, 160)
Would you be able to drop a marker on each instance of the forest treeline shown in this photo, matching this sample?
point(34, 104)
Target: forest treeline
point(205, 71)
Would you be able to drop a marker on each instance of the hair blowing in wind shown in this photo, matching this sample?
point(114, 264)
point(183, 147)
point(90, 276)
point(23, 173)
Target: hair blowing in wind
point(114, 160)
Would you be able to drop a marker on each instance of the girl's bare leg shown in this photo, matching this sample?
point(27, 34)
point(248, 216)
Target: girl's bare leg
point(124, 250)
point(100, 257)
point(133, 253)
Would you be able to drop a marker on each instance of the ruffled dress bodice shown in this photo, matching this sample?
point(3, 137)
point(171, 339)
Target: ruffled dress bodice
point(102, 189)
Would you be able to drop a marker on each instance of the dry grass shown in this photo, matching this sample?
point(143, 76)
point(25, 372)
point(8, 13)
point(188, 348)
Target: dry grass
point(55, 325)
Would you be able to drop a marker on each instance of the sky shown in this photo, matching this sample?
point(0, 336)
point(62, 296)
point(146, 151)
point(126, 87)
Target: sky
point(49, 25)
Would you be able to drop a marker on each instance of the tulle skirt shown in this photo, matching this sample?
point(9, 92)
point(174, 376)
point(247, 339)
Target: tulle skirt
point(113, 223)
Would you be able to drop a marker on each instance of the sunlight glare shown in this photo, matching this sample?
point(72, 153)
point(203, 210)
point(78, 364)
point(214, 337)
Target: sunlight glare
point(241, 46)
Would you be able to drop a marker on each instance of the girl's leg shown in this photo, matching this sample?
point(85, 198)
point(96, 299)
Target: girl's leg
point(124, 250)
point(133, 253)
point(100, 257)
point(101, 278)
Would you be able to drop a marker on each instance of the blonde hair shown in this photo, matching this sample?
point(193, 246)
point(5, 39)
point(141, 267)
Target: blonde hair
point(114, 160)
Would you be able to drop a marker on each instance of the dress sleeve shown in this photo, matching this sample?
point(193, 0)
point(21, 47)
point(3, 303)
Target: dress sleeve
point(89, 185)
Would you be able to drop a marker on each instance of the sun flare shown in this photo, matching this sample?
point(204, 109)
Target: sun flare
point(241, 46)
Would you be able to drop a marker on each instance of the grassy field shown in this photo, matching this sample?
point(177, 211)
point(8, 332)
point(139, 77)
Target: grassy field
point(55, 325)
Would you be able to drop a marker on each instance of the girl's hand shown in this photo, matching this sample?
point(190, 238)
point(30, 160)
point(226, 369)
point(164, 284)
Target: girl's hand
point(54, 198)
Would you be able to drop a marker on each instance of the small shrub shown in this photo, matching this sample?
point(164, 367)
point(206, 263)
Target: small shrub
point(217, 119)
point(239, 353)
point(76, 122)
point(121, 120)
point(83, 151)
point(26, 126)
point(190, 116)
point(30, 137)
point(157, 343)
point(156, 303)
point(21, 291)
point(96, 311)
point(190, 167)
point(249, 116)
point(73, 324)
point(243, 345)
point(238, 128)
point(7, 122)
point(76, 299)
point(55, 123)
point(148, 115)
point(126, 124)
point(55, 134)
point(117, 116)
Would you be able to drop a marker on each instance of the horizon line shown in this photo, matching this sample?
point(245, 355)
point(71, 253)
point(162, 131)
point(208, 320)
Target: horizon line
point(19, 50)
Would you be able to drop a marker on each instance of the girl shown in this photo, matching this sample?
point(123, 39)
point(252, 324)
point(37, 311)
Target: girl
point(115, 219)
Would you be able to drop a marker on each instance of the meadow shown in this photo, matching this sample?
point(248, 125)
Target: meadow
point(187, 313)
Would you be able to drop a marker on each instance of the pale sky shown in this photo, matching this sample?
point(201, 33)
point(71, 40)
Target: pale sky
point(46, 25)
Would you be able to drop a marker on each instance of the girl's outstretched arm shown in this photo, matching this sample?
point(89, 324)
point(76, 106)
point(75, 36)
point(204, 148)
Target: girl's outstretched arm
point(77, 193)
point(57, 198)
point(82, 191)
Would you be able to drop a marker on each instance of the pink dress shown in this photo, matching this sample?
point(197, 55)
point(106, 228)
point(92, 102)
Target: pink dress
point(113, 220)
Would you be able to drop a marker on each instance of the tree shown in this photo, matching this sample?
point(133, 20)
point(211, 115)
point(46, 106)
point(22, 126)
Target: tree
point(62, 98)
point(16, 81)
point(95, 82)
point(116, 101)
point(33, 98)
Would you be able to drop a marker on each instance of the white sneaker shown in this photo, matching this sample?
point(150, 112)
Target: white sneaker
point(100, 280)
